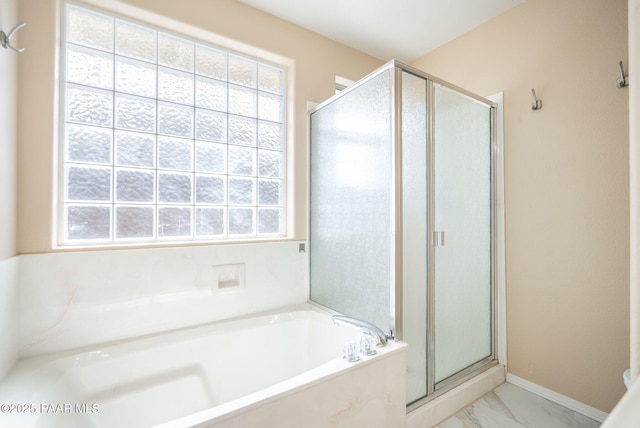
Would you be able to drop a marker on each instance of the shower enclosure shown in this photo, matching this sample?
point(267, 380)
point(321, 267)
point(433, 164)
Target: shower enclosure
point(402, 219)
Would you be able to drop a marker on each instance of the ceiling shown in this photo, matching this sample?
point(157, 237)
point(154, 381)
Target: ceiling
point(387, 29)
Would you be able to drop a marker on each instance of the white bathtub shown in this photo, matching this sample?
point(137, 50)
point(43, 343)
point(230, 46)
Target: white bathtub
point(277, 370)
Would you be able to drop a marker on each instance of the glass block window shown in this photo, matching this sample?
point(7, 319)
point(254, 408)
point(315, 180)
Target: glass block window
point(165, 137)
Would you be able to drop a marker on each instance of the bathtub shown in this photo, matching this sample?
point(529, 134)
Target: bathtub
point(282, 369)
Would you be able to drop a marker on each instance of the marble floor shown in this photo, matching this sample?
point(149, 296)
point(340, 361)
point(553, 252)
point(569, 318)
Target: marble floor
point(509, 406)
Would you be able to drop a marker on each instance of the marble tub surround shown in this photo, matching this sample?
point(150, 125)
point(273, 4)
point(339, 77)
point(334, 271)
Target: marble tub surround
point(510, 406)
point(74, 299)
point(8, 314)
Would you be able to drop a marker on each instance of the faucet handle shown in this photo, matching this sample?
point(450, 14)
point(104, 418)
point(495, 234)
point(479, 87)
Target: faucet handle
point(368, 345)
point(350, 350)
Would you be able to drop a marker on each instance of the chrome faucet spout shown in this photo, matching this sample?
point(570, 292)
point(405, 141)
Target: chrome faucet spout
point(366, 327)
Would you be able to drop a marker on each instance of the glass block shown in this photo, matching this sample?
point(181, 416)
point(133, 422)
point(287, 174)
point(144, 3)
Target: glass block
point(88, 222)
point(242, 161)
point(89, 67)
point(88, 144)
point(269, 221)
point(241, 221)
point(241, 191)
point(135, 185)
point(270, 192)
point(85, 183)
point(134, 222)
point(135, 113)
point(175, 119)
point(175, 153)
point(270, 79)
point(270, 107)
point(174, 85)
point(211, 125)
point(242, 131)
point(211, 157)
point(211, 94)
point(175, 52)
point(89, 28)
point(90, 106)
point(135, 77)
point(174, 221)
point(270, 164)
point(270, 136)
point(210, 189)
point(135, 41)
point(135, 149)
point(242, 71)
point(209, 221)
point(174, 187)
point(211, 62)
point(242, 101)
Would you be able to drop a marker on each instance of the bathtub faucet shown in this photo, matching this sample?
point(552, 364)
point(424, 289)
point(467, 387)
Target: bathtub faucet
point(366, 327)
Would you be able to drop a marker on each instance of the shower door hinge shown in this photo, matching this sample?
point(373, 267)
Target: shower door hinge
point(438, 239)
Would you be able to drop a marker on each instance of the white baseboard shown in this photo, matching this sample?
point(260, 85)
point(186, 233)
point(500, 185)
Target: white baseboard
point(563, 400)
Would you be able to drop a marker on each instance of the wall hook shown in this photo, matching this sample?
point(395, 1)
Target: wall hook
point(622, 81)
point(5, 39)
point(536, 104)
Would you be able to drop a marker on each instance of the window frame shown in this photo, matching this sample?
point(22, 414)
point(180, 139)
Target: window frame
point(261, 58)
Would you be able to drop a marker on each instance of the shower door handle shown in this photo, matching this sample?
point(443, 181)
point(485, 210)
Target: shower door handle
point(438, 239)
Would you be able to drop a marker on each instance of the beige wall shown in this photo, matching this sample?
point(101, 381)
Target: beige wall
point(8, 139)
point(634, 185)
point(566, 186)
point(314, 62)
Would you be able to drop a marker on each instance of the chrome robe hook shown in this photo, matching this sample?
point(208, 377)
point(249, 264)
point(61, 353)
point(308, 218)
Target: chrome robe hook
point(622, 81)
point(5, 39)
point(536, 104)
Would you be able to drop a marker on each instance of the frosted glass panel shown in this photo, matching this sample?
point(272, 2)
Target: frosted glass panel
point(175, 119)
point(89, 67)
point(175, 52)
point(175, 86)
point(462, 149)
point(88, 144)
point(89, 28)
point(211, 94)
point(242, 71)
point(134, 222)
point(351, 176)
point(242, 101)
point(211, 62)
point(209, 221)
point(135, 185)
point(414, 239)
point(135, 149)
point(135, 113)
point(88, 183)
point(89, 106)
point(135, 77)
point(175, 153)
point(174, 187)
point(270, 79)
point(174, 221)
point(136, 41)
point(270, 136)
point(88, 222)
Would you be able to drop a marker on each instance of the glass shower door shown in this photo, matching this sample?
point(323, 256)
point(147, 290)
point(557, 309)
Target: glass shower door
point(462, 246)
point(351, 261)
